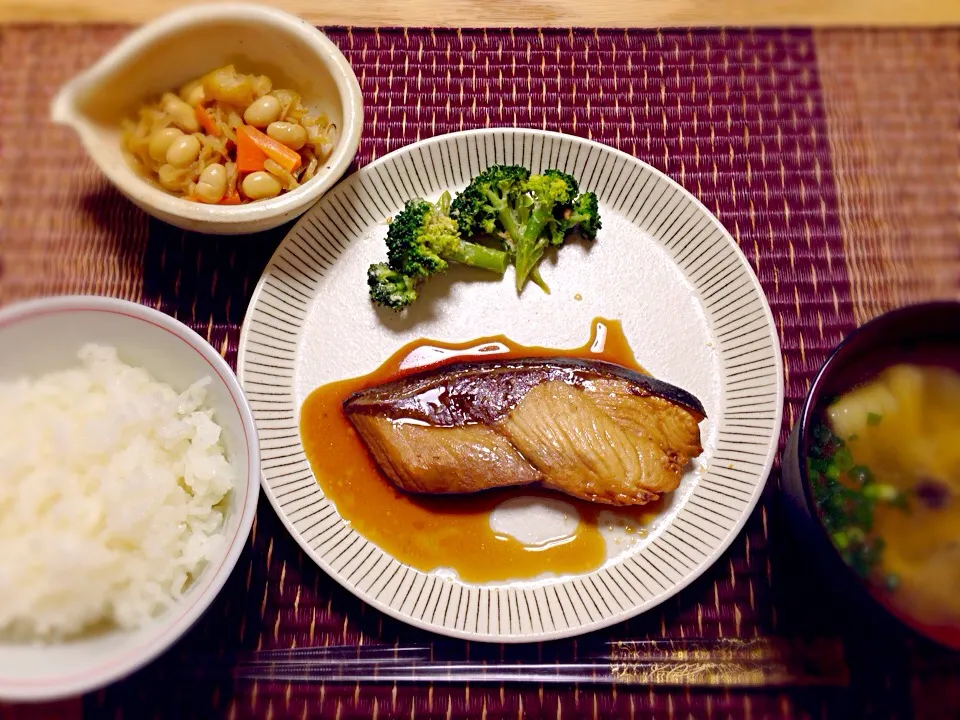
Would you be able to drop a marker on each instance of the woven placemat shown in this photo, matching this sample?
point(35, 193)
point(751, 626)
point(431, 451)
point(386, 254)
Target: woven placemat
point(832, 158)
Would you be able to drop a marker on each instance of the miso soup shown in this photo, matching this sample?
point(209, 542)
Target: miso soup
point(884, 466)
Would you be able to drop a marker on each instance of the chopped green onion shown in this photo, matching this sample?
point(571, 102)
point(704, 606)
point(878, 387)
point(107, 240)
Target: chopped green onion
point(847, 508)
point(818, 464)
point(856, 535)
point(843, 458)
point(874, 418)
point(881, 491)
point(860, 474)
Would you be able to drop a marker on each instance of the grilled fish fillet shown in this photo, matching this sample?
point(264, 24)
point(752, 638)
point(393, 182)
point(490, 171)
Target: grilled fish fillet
point(590, 429)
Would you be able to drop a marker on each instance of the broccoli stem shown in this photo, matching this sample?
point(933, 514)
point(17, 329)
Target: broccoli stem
point(530, 247)
point(505, 215)
point(479, 256)
point(538, 221)
point(537, 280)
point(526, 258)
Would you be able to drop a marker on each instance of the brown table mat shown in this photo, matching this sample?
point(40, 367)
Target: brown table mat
point(832, 158)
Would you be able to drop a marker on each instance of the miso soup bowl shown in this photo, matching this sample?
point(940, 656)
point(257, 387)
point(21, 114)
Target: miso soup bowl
point(912, 332)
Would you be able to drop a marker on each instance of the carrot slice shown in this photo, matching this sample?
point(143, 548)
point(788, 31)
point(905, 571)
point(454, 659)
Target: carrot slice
point(231, 198)
point(206, 122)
point(286, 158)
point(250, 158)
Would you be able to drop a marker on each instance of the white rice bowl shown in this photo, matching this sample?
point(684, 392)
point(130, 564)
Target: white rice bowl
point(43, 337)
point(112, 489)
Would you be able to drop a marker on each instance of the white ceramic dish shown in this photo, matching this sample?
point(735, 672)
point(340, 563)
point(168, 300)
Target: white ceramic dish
point(44, 335)
point(688, 302)
point(188, 43)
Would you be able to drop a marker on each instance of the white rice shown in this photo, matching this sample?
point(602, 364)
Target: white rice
point(111, 491)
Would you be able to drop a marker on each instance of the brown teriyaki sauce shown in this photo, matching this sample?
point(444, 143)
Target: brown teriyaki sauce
point(429, 532)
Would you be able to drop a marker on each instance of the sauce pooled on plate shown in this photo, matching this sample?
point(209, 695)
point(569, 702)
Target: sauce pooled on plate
point(453, 531)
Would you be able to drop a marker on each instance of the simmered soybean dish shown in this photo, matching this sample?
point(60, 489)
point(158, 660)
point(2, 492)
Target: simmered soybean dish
point(228, 138)
point(885, 471)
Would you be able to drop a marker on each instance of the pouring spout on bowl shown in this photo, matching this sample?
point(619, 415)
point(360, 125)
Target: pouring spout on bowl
point(63, 110)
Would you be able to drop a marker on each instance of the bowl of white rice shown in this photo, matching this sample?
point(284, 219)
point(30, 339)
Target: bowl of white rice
point(129, 479)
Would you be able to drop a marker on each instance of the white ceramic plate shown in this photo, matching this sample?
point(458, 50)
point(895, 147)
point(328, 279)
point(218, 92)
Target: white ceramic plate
point(688, 302)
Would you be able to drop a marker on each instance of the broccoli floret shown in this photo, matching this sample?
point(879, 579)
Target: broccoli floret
point(485, 205)
point(569, 180)
point(544, 196)
point(422, 240)
point(583, 215)
point(525, 213)
point(528, 213)
point(390, 288)
point(407, 247)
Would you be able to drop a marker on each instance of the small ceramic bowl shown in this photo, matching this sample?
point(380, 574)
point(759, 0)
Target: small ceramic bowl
point(189, 43)
point(915, 333)
point(43, 336)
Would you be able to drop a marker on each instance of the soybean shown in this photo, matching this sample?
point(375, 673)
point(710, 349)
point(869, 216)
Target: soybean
point(161, 140)
point(259, 185)
point(169, 177)
point(212, 185)
point(262, 112)
point(183, 151)
point(292, 135)
point(182, 114)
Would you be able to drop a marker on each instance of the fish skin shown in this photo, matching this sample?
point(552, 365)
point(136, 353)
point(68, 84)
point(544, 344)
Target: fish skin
point(485, 390)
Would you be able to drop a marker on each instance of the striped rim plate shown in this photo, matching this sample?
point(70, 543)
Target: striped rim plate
point(663, 265)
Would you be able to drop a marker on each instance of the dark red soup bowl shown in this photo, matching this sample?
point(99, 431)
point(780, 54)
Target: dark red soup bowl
point(922, 334)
